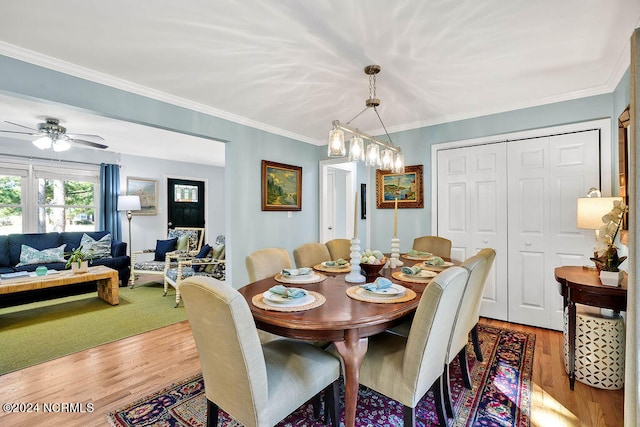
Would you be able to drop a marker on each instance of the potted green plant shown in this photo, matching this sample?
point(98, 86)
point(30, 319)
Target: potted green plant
point(79, 259)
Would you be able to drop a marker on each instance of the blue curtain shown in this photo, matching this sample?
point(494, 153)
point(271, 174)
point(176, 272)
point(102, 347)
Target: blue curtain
point(109, 191)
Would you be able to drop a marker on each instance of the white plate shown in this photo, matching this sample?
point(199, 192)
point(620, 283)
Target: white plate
point(300, 277)
point(446, 264)
point(393, 291)
point(424, 274)
point(418, 257)
point(324, 264)
point(278, 300)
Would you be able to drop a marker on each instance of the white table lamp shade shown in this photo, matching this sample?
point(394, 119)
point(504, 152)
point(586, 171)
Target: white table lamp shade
point(129, 203)
point(591, 210)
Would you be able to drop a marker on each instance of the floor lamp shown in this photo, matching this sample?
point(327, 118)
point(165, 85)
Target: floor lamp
point(129, 203)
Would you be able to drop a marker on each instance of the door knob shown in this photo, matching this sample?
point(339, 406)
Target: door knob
point(330, 228)
point(527, 243)
point(485, 241)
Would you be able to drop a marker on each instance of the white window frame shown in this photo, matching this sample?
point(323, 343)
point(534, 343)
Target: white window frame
point(32, 171)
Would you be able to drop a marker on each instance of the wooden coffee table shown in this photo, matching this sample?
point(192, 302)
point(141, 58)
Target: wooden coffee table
point(107, 279)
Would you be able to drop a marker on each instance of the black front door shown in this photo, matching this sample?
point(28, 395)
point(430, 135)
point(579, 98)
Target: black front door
point(185, 203)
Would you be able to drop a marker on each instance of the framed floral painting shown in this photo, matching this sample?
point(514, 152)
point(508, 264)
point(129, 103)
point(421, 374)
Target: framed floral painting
point(406, 187)
point(281, 187)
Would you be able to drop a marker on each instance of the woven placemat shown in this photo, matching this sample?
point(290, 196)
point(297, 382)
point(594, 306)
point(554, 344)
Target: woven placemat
point(361, 294)
point(319, 277)
point(344, 269)
point(400, 276)
point(257, 300)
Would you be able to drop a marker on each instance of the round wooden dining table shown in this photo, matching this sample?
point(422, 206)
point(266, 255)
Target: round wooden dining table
point(345, 321)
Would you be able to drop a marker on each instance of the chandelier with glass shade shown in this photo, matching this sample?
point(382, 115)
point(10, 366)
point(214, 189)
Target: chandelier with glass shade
point(376, 153)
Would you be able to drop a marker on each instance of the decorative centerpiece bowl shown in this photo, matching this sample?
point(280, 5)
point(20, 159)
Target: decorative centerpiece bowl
point(371, 271)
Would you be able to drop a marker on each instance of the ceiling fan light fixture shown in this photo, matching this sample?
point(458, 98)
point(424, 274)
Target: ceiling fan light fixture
point(61, 145)
point(43, 143)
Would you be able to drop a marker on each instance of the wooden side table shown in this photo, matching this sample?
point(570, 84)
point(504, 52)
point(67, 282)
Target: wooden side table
point(580, 285)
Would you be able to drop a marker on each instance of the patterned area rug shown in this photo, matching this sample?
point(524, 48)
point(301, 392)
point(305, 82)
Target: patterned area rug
point(501, 395)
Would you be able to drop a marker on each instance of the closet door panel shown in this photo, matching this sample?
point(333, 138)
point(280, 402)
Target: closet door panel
point(472, 213)
point(528, 163)
point(574, 168)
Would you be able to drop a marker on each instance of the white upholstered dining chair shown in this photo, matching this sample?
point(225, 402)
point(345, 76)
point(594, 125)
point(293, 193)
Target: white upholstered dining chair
point(405, 368)
point(267, 262)
point(339, 248)
point(467, 321)
point(257, 384)
point(263, 263)
point(310, 254)
point(435, 244)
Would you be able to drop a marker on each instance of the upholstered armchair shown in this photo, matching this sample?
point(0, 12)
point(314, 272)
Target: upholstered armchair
point(257, 384)
point(339, 248)
point(208, 262)
point(405, 368)
point(437, 245)
point(311, 254)
point(181, 241)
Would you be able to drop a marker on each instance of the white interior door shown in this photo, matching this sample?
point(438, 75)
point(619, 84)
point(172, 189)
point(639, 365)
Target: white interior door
point(337, 194)
point(546, 176)
point(472, 213)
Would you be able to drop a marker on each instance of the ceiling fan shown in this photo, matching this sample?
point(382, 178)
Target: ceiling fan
point(53, 135)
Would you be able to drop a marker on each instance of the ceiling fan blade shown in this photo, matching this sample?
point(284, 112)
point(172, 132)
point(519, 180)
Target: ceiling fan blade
point(87, 143)
point(22, 126)
point(84, 135)
point(21, 133)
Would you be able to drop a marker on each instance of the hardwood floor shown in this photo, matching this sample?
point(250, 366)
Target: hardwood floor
point(112, 375)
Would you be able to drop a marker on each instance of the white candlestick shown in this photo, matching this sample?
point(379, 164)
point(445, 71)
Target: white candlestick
point(395, 219)
point(355, 218)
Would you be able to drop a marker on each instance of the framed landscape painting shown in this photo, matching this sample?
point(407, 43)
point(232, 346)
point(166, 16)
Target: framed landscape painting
point(147, 190)
point(281, 187)
point(406, 186)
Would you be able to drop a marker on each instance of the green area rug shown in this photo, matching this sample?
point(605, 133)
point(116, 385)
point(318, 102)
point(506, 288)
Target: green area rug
point(36, 332)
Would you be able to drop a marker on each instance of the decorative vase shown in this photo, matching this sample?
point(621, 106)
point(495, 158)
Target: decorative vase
point(611, 278)
point(82, 268)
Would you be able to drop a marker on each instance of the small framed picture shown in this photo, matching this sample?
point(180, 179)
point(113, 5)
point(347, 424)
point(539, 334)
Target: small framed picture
point(147, 190)
point(406, 187)
point(281, 187)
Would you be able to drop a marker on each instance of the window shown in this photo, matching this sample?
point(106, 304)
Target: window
point(42, 198)
point(11, 190)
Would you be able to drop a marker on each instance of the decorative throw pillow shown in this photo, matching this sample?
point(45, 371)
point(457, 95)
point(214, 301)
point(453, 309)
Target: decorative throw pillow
point(164, 246)
point(183, 242)
point(204, 253)
point(218, 253)
point(101, 248)
point(29, 255)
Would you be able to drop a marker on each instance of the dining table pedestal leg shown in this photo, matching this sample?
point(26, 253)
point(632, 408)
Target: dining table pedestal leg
point(352, 351)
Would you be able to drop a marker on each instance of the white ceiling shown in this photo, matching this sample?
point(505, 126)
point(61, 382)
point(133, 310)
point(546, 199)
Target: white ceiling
point(292, 66)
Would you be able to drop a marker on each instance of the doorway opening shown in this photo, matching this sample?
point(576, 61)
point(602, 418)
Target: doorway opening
point(338, 187)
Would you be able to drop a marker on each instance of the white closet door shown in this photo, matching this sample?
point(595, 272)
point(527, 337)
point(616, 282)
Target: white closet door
point(472, 191)
point(546, 176)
